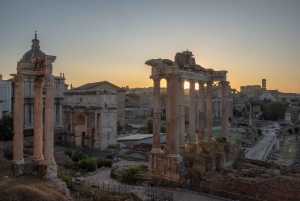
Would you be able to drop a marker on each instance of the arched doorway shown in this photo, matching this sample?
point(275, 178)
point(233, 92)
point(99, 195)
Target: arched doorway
point(79, 130)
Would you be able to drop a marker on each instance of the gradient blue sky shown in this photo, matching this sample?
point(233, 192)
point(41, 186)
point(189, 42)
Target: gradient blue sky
point(111, 40)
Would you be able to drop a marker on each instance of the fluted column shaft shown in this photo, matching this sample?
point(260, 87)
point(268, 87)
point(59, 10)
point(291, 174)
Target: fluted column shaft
point(38, 117)
point(181, 113)
point(18, 119)
point(156, 116)
point(174, 114)
point(49, 117)
point(192, 100)
point(201, 135)
point(168, 114)
point(224, 109)
point(209, 122)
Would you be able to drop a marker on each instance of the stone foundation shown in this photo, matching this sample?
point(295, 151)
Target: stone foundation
point(49, 171)
point(166, 167)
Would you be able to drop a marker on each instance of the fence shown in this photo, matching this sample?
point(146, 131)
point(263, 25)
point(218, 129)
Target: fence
point(208, 191)
point(126, 189)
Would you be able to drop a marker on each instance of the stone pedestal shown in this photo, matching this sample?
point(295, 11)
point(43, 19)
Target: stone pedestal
point(164, 166)
point(49, 171)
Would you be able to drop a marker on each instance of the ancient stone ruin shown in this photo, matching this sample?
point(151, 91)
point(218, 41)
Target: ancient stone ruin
point(168, 164)
point(39, 67)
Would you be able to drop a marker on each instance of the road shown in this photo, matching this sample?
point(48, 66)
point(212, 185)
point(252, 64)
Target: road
point(265, 144)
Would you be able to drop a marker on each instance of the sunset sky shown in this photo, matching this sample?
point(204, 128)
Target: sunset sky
point(111, 40)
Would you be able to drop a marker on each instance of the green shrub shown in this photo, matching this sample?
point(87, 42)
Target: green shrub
point(101, 162)
point(68, 180)
point(79, 155)
point(132, 174)
point(114, 146)
point(68, 152)
point(89, 163)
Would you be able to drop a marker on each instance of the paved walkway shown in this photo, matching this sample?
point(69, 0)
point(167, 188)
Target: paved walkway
point(178, 195)
point(260, 148)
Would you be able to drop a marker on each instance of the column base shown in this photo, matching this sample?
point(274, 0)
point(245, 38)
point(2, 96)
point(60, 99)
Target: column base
point(157, 151)
point(49, 161)
point(38, 159)
point(174, 155)
point(19, 162)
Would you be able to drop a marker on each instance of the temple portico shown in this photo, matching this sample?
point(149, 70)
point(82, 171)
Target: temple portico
point(167, 164)
point(40, 68)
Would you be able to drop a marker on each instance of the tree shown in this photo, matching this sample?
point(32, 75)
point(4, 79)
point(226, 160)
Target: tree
point(6, 128)
point(274, 111)
point(132, 174)
point(149, 124)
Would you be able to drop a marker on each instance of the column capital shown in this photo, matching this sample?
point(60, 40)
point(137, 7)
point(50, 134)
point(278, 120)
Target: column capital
point(156, 78)
point(18, 79)
point(209, 82)
point(224, 82)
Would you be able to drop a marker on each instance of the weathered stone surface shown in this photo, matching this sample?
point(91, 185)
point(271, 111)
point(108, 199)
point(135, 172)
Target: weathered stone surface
point(62, 186)
point(198, 166)
point(1, 153)
point(139, 196)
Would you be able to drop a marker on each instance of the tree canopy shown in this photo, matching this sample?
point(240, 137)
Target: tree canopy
point(6, 128)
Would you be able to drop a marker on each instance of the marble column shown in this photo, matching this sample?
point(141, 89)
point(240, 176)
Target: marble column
point(18, 119)
point(168, 114)
point(96, 139)
point(48, 132)
point(38, 123)
point(192, 102)
point(156, 116)
point(209, 123)
point(181, 114)
point(201, 135)
point(174, 120)
point(224, 109)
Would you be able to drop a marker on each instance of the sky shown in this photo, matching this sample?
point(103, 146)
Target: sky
point(111, 40)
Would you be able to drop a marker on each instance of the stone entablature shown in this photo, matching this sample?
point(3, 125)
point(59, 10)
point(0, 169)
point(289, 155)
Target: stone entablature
point(90, 118)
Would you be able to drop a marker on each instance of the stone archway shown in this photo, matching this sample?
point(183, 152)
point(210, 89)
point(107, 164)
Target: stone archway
point(80, 130)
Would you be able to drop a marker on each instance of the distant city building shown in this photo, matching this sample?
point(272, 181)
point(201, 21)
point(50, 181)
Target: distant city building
point(252, 91)
point(5, 95)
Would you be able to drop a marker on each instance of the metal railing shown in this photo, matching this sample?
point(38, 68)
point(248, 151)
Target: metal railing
point(126, 189)
point(205, 190)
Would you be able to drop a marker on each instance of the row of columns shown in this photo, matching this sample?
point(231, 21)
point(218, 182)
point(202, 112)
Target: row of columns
point(43, 138)
point(175, 117)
